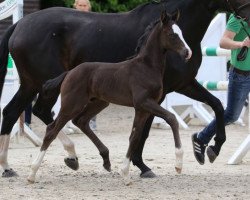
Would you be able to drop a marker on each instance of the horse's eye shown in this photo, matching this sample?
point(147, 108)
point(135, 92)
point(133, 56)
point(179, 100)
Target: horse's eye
point(173, 35)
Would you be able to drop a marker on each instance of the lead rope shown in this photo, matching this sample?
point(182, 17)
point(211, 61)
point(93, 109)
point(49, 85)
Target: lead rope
point(244, 50)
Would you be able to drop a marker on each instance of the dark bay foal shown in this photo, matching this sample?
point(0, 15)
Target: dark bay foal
point(88, 88)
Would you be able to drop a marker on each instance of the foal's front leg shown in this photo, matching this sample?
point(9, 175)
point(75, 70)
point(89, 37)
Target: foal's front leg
point(152, 107)
point(134, 139)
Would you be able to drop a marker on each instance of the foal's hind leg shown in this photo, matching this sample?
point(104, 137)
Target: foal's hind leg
point(51, 133)
point(42, 109)
point(82, 122)
point(11, 113)
point(152, 107)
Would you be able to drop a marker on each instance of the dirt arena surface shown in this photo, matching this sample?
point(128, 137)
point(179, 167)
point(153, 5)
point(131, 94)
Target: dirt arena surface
point(56, 181)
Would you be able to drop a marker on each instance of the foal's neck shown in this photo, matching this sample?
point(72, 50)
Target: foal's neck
point(153, 52)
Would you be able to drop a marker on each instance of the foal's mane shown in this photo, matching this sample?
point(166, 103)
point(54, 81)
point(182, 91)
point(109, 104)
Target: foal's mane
point(143, 39)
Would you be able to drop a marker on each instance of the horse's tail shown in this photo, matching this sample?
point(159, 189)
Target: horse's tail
point(53, 86)
point(4, 52)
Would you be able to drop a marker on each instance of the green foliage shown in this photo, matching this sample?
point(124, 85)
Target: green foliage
point(109, 5)
point(51, 3)
point(69, 3)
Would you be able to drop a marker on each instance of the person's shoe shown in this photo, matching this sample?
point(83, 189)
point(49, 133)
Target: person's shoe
point(199, 149)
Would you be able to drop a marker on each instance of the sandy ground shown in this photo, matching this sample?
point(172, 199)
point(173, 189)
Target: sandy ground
point(56, 181)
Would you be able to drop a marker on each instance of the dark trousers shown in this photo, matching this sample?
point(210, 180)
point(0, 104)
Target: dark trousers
point(28, 113)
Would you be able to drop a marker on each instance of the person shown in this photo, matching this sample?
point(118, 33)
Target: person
point(28, 114)
point(234, 38)
point(84, 5)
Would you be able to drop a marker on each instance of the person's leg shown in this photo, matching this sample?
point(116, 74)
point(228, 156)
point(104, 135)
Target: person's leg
point(238, 89)
point(28, 113)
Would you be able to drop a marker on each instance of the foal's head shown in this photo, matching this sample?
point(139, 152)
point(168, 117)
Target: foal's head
point(171, 35)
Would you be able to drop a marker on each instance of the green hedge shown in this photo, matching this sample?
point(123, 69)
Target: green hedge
point(98, 5)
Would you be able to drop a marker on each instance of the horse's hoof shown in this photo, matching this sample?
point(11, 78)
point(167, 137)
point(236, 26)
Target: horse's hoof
point(72, 163)
point(211, 154)
point(178, 170)
point(9, 173)
point(148, 174)
point(107, 167)
point(30, 181)
point(128, 182)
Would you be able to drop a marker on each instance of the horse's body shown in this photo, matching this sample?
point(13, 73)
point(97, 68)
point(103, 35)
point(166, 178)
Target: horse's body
point(48, 42)
point(135, 83)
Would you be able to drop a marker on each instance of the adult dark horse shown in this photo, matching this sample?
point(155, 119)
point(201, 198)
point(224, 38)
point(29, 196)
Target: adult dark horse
point(48, 42)
point(135, 82)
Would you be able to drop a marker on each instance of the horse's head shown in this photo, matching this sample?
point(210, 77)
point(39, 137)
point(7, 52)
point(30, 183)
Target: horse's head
point(241, 8)
point(171, 35)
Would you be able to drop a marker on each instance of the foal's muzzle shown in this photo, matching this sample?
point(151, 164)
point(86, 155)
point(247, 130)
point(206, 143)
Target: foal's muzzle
point(187, 54)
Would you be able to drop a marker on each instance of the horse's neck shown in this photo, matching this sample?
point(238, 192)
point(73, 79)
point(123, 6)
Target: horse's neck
point(153, 53)
point(194, 26)
point(145, 14)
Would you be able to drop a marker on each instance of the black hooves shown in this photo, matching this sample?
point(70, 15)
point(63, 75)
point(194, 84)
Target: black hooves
point(72, 163)
point(211, 154)
point(148, 174)
point(107, 167)
point(9, 173)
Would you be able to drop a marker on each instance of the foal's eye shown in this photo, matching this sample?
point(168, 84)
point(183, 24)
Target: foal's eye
point(173, 35)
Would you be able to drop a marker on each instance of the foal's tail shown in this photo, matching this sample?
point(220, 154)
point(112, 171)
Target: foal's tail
point(4, 52)
point(53, 86)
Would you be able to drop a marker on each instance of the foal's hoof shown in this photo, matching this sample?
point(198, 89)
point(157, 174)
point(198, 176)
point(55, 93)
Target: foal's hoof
point(211, 154)
point(9, 173)
point(107, 166)
point(72, 163)
point(178, 170)
point(148, 174)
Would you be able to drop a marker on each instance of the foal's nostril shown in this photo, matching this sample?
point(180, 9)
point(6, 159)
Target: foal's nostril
point(186, 53)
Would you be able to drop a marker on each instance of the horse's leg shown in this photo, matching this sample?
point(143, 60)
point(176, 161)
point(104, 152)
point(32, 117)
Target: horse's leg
point(70, 108)
point(82, 122)
point(134, 139)
point(137, 160)
point(51, 133)
point(42, 109)
point(155, 109)
point(11, 113)
point(196, 91)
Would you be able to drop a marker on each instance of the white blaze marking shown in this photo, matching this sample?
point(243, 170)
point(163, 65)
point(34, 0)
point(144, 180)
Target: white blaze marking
point(178, 31)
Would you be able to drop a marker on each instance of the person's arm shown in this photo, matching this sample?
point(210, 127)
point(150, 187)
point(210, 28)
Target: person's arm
point(227, 41)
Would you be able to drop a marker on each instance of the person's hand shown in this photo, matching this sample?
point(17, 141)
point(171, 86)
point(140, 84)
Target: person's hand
point(246, 42)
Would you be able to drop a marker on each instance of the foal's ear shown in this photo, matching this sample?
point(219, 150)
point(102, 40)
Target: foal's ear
point(165, 17)
point(176, 15)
